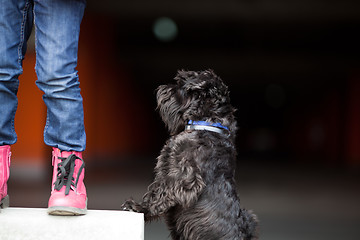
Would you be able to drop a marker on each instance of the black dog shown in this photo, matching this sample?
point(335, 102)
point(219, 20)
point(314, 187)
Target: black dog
point(194, 186)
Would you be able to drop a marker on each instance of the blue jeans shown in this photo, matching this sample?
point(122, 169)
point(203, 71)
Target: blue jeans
point(57, 28)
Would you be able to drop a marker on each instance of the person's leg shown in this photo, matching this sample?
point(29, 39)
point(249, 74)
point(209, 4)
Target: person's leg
point(15, 28)
point(57, 29)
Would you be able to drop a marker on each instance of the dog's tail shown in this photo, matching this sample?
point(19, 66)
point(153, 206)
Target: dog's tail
point(249, 224)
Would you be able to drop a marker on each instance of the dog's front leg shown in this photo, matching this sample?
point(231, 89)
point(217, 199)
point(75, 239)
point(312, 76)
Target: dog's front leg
point(157, 200)
point(132, 206)
point(181, 187)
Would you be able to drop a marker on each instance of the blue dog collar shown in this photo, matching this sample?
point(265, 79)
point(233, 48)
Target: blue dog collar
point(208, 126)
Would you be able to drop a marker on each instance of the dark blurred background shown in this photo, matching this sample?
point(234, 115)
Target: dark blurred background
point(293, 69)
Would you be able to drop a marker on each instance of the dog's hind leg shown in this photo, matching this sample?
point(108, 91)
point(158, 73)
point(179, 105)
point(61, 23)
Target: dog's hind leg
point(249, 224)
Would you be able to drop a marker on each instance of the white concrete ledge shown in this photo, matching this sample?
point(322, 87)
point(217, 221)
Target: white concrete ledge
point(35, 223)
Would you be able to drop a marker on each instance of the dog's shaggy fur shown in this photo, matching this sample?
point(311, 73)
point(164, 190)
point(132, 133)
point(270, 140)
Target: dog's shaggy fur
point(194, 187)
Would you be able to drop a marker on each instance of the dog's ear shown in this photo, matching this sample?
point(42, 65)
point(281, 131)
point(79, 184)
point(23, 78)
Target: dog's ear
point(171, 104)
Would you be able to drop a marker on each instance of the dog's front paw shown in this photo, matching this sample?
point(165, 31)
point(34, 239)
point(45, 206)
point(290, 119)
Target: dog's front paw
point(131, 206)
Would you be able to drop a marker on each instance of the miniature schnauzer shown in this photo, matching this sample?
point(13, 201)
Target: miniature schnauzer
point(194, 187)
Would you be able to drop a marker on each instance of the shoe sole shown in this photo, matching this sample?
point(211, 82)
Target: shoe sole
point(59, 211)
point(66, 211)
point(5, 202)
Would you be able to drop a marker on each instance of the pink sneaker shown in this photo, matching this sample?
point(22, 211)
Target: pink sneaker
point(4, 174)
point(68, 192)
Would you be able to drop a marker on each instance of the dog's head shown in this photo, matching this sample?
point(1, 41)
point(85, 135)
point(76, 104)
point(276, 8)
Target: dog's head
point(197, 96)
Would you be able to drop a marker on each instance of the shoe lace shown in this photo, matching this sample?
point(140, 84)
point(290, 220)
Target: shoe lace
point(65, 173)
